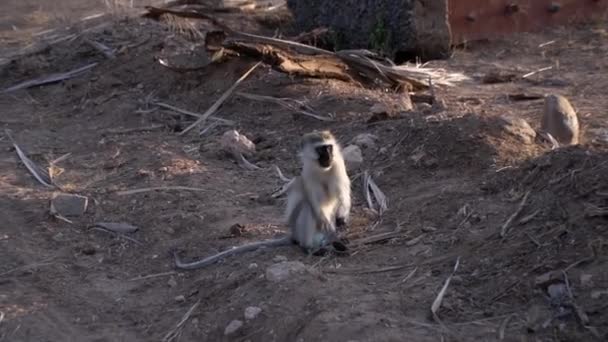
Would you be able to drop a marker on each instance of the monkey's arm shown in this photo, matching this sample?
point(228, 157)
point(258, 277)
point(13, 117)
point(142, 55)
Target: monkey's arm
point(284, 241)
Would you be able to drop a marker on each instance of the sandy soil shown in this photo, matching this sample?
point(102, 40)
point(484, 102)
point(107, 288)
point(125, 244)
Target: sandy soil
point(452, 179)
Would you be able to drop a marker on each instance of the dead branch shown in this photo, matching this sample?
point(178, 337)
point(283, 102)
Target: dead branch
point(132, 130)
point(52, 78)
point(437, 302)
point(174, 333)
point(41, 175)
point(320, 66)
point(287, 103)
point(137, 191)
point(221, 100)
point(187, 112)
point(507, 224)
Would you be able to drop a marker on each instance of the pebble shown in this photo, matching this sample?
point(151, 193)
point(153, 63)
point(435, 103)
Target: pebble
point(252, 312)
point(233, 327)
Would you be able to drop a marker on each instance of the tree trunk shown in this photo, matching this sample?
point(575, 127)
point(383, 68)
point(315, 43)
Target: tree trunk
point(402, 29)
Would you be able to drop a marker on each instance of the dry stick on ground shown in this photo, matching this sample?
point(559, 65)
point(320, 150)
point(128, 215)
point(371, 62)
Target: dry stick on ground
point(137, 191)
point(437, 302)
point(505, 227)
point(246, 163)
point(41, 175)
point(287, 103)
point(530, 74)
point(104, 50)
point(221, 100)
point(281, 175)
point(171, 335)
point(187, 112)
point(102, 229)
point(132, 130)
point(48, 79)
point(294, 57)
point(150, 276)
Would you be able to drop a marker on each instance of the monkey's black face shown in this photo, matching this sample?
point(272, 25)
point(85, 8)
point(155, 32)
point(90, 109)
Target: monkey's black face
point(325, 153)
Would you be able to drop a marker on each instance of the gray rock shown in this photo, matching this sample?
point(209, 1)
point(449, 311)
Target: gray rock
point(172, 282)
point(279, 258)
point(233, 142)
point(283, 270)
point(68, 205)
point(365, 140)
point(180, 298)
point(252, 312)
point(518, 128)
point(233, 327)
point(353, 157)
point(560, 120)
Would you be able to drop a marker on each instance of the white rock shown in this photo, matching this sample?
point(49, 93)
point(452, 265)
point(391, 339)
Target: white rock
point(234, 142)
point(365, 140)
point(180, 299)
point(172, 282)
point(252, 312)
point(283, 270)
point(279, 258)
point(560, 120)
point(353, 157)
point(233, 327)
point(252, 266)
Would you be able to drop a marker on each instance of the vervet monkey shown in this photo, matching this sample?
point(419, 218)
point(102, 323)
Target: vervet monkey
point(318, 200)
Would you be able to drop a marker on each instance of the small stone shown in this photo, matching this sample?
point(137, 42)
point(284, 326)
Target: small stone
point(252, 266)
point(353, 157)
point(68, 205)
point(560, 120)
point(172, 282)
point(586, 280)
point(365, 140)
point(180, 299)
point(519, 128)
point(88, 250)
point(282, 271)
point(279, 258)
point(252, 312)
point(233, 142)
point(233, 327)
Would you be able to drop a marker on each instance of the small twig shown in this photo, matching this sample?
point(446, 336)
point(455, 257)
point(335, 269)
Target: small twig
point(171, 335)
point(41, 175)
point(187, 112)
point(283, 189)
point(530, 217)
point(366, 190)
point(538, 244)
point(25, 267)
point(507, 224)
point(150, 276)
point(101, 229)
point(376, 238)
point(48, 79)
point(137, 191)
point(132, 130)
point(247, 164)
point(208, 128)
point(503, 327)
point(409, 276)
point(537, 71)
point(287, 103)
point(437, 302)
point(281, 175)
point(378, 195)
point(546, 43)
point(103, 49)
point(221, 100)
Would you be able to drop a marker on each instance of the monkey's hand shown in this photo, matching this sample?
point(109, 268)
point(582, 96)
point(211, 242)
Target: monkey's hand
point(326, 226)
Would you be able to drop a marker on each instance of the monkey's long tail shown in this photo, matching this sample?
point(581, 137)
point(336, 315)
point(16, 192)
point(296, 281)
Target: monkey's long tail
point(283, 241)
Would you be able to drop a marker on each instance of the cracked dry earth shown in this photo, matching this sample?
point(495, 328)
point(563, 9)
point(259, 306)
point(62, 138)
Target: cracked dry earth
point(452, 179)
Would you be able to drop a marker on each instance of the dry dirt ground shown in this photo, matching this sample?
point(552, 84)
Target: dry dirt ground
point(452, 178)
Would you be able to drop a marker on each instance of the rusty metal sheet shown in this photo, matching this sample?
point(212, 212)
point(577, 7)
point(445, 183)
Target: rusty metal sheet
point(487, 19)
